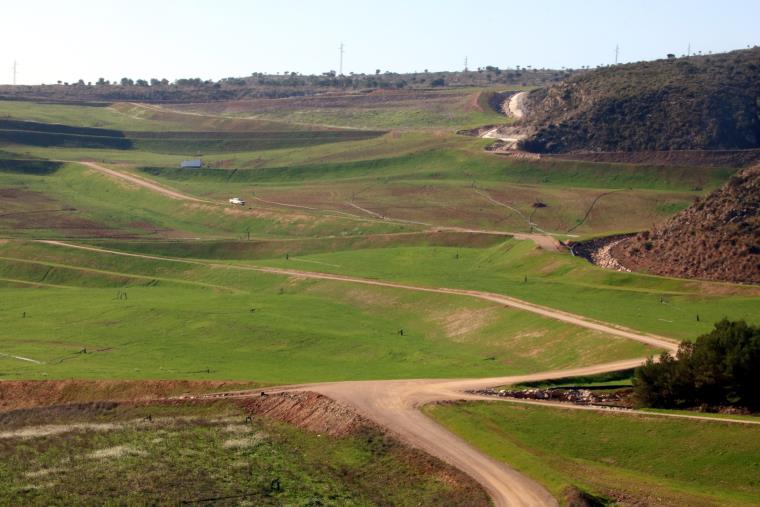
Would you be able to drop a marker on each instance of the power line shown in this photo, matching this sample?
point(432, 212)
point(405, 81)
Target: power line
point(340, 72)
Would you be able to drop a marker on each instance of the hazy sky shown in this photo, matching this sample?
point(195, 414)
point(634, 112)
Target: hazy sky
point(73, 39)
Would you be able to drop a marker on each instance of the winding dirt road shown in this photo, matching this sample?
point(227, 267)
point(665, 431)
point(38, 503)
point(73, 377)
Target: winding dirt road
point(394, 405)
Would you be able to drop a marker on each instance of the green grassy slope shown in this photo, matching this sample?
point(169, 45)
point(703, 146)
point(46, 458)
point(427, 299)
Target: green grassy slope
point(76, 201)
point(129, 116)
point(647, 303)
point(452, 185)
point(183, 320)
point(627, 458)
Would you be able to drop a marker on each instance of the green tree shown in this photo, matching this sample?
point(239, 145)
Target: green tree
point(719, 368)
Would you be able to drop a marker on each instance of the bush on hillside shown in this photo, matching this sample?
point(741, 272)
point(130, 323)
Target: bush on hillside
point(721, 368)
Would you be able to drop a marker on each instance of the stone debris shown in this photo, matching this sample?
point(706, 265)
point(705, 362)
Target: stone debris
point(618, 398)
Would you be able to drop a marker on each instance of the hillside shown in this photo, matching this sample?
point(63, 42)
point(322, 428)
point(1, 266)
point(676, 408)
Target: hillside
point(699, 102)
point(717, 238)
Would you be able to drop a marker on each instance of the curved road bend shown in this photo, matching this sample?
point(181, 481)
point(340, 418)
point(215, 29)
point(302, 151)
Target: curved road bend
point(394, 404)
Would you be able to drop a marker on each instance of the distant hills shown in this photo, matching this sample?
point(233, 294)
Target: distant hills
point(270, 86)
point(717, 238)
point(701, 102)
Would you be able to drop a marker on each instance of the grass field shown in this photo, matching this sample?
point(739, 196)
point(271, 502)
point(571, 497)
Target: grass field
point(626, 458)
point(450, 187)
point(418, 179)
point(653, 304)
point(128, 116)
point(75, 201)
point(397, 109)
point(202, 322)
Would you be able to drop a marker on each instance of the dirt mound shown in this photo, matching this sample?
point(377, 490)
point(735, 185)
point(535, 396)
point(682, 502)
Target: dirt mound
point(309, 411)
point(717, 238)
point(31, 393)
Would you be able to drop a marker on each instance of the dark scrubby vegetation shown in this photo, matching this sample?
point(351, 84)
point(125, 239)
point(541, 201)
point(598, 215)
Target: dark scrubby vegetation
point(721, 368)
point(47, 139)
point(700, 102)
point(717, 238)
point(288, 84)
point(50, 134)
point(33, 167)
point(211, 453)
point(56, 128)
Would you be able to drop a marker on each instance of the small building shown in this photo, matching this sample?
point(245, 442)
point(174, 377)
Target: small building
point(195, 163)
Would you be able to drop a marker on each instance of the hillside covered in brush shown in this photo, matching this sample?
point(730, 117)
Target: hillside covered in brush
point(717, 238)
point(700, 102)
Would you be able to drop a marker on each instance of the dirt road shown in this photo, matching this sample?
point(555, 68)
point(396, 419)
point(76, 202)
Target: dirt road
point(515, 104)
point(140, 182)
point(394, 404)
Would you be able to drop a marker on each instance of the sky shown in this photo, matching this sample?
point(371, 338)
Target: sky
point(86, 39)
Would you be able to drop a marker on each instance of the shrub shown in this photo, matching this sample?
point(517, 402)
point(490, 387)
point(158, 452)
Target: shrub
point(720, 368)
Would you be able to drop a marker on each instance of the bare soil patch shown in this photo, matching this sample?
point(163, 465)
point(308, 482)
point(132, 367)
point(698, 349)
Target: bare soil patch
point(19, 394)
point(308, 410)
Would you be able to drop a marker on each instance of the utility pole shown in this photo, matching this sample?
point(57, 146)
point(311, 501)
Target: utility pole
point(340, 72)
point(688, 50)
point(465, 64)
point(617, 52)
point(14, 72)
